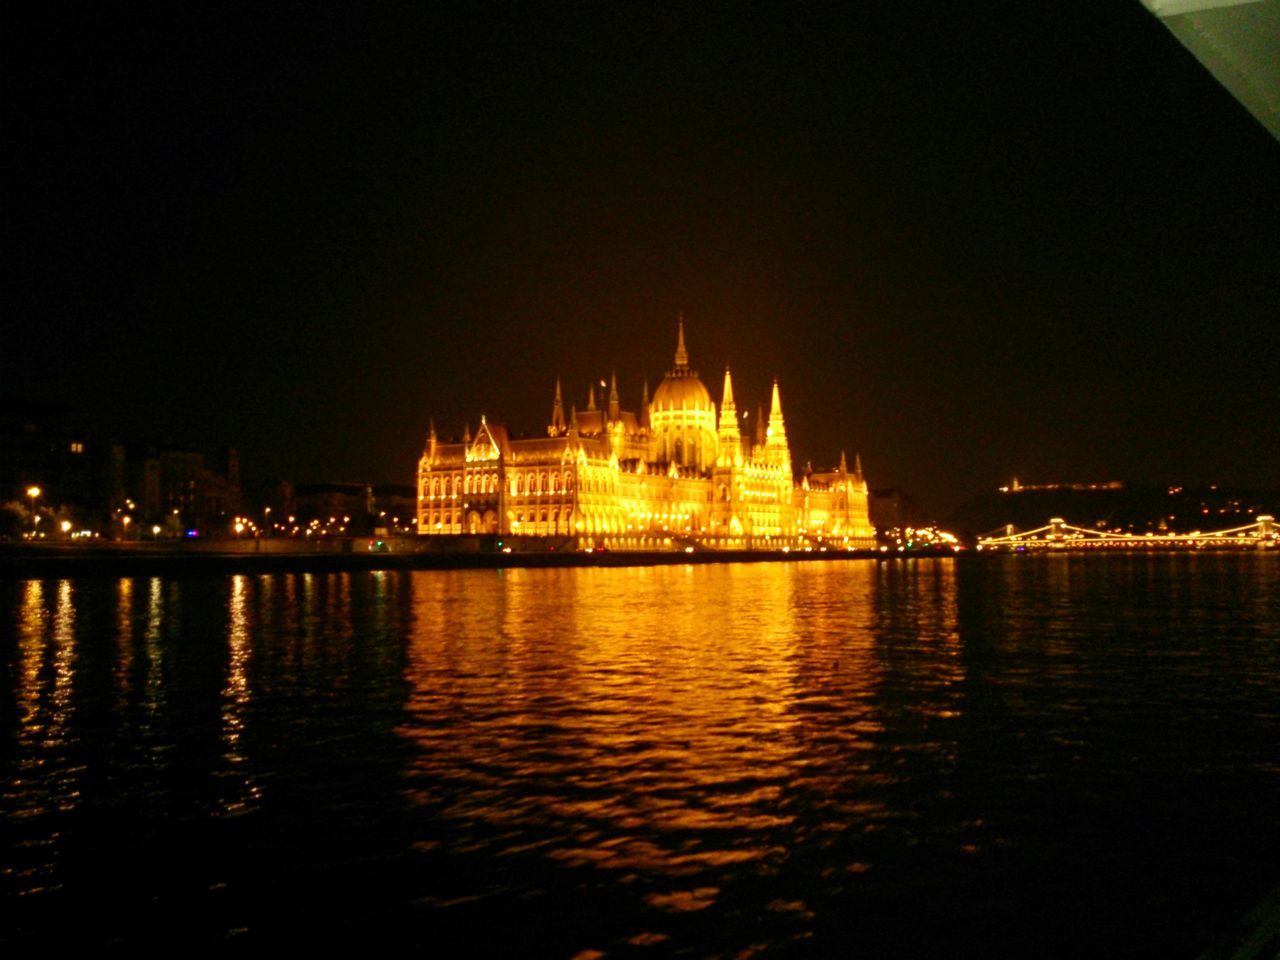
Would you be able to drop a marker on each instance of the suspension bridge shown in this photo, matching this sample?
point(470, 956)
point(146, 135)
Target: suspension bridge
point(1057, 534)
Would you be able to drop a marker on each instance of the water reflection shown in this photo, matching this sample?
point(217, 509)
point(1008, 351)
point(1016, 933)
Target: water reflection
point(236, 698)
point(893, 757)
point(732, 719)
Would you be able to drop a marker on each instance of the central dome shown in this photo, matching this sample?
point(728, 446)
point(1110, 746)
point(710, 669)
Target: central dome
point(682, 418)
point(682, 390)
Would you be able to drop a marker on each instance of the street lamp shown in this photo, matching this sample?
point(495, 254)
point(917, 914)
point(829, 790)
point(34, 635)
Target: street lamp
point(32, 493)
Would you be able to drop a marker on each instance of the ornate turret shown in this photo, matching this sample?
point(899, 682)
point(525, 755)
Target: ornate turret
point(557, 426)
point(729, 438)
point(615, 407)
point(431, 439)
point(776, 449)
point(682, 355)
point(644, 405)
point(591, 397)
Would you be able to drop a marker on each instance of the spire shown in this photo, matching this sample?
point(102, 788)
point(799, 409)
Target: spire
point(760, 426)
point(857, 464)
point(431, 439)
point(573, 420)
point(728, 410)
point(682, 355)
point(844, 467)
point(466, 432)
point(591, 397)
point(777, 432)
point(431, 428)
point(730, 440)
point(644, 406)
point(776, 443)
point(557, 426)
point(615, 407)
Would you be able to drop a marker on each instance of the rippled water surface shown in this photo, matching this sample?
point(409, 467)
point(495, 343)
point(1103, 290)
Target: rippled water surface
point(1054, 756)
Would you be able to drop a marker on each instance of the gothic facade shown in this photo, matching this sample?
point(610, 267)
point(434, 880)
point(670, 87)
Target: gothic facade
point(677, 474)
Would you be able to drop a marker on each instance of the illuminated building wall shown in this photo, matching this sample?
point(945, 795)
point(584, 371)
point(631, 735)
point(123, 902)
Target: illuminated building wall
point(675, 474)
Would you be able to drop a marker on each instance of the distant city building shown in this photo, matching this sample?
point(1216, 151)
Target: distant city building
point(108, 488)
point(41, 448)
point(350, 508)
point(890, 507)
point(678, 472)
point(174, 488)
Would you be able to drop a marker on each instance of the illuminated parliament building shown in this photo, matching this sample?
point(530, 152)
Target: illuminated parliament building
point(676, 475)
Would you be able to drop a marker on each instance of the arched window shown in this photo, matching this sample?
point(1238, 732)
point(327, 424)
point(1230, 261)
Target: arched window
point(466, 484)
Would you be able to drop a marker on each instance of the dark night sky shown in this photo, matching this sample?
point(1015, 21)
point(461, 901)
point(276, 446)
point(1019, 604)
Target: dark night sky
point(1034, 239)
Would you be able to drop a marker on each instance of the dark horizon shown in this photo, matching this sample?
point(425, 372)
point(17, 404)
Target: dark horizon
point(970, 245)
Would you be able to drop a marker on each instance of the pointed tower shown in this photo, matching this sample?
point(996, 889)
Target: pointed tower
point(615, 406)
point(591, 397)
point(431, 441)
point(682, 355)
point(761, 425)
point(557, 426)
point(644, 406)
point(573, 421)
point(466, 432)
point(729, 437)
point(776, 450)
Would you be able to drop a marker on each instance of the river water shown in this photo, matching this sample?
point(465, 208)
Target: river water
point(1017, 756)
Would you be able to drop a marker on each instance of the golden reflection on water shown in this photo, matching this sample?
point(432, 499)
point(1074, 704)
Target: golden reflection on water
point(241, 616)
point(153, 678)
point(660, 719)
point(64, 659)
point(31, 649)
point(766, 740)
point(124, 635)
point(235, 694)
